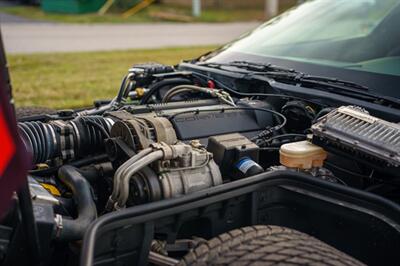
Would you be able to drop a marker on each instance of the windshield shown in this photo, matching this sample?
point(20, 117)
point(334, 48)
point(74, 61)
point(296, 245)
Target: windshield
point(361, 35)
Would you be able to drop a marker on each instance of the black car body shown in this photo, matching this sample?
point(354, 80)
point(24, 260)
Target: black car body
point(294, 125)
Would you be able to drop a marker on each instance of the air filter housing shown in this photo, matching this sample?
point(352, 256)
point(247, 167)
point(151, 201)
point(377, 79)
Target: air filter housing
point(354, 131)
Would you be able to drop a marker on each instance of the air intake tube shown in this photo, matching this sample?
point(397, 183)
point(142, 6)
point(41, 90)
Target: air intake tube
point(65, 140)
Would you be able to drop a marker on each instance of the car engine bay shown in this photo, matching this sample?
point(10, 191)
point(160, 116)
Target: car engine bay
point(170, 133)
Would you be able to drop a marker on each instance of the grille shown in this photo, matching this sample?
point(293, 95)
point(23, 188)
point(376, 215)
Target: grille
point(354, 130)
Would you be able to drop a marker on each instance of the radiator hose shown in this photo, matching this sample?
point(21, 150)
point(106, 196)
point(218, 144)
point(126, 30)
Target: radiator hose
point(68, 229)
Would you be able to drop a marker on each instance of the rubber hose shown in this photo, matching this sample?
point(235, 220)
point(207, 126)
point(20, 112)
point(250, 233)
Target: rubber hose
point(78, 163)
point(86, 208)
point(157, 86)
point(182, 88)
point(44, 140)
point(93, 172)
point(38, 138)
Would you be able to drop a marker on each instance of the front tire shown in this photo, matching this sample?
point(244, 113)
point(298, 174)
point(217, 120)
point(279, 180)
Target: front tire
point(266, 245)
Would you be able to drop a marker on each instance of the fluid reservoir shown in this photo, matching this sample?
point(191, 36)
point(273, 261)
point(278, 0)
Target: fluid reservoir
point(302, 155)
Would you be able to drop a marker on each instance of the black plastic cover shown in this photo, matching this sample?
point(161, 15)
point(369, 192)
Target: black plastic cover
point(228, 149)
point(221, 119)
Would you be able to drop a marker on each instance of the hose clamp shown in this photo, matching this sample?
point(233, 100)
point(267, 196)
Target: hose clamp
point(59, 225)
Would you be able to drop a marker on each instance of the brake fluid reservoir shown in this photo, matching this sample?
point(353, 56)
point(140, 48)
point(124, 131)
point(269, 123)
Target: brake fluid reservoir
point(302, 155)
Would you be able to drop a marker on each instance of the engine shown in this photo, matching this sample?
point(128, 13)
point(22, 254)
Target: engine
point(164, 138)
point(179, 139)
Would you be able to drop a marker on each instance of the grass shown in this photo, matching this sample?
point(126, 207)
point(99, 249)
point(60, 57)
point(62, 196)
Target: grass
point(150, 14)
point(70, 80)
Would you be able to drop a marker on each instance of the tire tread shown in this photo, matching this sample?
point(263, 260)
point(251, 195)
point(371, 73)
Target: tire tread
point(266, 245)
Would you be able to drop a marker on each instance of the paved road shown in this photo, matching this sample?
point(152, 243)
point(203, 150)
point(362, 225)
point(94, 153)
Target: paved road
point(24, 37)
point(7, 18)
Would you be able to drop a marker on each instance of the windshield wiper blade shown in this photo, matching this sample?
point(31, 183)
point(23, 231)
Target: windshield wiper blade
point(251, 67)
point(333, 85)
point(283, 74)
point(336, 81)
point(295, 75)
point(261, 67)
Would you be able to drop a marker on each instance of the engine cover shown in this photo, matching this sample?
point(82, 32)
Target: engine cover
point(190, 120)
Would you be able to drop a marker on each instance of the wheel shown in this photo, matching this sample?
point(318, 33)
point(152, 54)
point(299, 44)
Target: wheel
point(266, 245)
point(22, 112)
